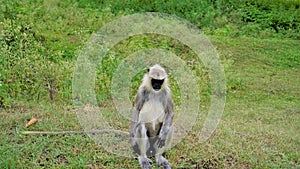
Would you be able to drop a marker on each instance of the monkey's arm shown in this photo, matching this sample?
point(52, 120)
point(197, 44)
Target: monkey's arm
point(134, 121)
point(167, 122)
point(139, 101)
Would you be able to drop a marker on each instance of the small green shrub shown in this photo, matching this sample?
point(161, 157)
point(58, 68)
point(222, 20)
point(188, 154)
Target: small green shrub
point(28, 69)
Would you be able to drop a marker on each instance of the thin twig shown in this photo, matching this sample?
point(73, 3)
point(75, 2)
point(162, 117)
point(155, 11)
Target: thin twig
point(76, 132)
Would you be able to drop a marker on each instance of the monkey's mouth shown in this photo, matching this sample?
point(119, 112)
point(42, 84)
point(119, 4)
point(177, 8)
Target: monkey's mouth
point(156, 84)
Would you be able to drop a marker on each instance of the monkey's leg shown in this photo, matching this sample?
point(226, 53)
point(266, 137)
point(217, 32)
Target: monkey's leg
point(143, 144)
point(160, 160)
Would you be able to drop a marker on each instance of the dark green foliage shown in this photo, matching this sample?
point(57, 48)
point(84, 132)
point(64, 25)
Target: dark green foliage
point(281, 17)
point(265, 18)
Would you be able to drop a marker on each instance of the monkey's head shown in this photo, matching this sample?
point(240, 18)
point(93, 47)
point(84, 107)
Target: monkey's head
point(157, 77)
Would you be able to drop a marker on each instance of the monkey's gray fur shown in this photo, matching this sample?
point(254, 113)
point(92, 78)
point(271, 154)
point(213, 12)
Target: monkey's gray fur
point(151, 129)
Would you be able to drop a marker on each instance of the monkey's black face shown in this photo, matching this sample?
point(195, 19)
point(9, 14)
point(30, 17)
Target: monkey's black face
point(156, 84)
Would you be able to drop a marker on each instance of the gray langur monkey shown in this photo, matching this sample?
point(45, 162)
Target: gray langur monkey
point(151, 129)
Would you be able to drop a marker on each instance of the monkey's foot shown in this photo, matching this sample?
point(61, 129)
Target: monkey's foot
point(145, 162)
point(161, 161)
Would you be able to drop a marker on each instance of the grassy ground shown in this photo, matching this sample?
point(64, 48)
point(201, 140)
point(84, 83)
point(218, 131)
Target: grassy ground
point(259, 128)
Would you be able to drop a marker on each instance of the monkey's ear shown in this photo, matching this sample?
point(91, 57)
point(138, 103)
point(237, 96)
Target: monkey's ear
point(148, 70)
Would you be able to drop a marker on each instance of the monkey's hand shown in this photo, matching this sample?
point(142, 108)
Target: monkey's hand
point(161, 141)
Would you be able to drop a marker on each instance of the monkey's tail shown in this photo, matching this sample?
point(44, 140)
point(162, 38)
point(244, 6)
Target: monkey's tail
point(76, 132)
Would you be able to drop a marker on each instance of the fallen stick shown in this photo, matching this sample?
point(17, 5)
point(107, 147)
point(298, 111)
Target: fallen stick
point(76, 132)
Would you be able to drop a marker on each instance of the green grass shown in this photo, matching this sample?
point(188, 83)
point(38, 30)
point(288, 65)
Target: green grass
point(39, 43)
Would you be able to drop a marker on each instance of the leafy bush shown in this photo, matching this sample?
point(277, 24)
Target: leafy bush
point(281, 17)
point(246, 17)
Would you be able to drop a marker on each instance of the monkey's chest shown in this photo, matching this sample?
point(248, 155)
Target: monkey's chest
point(152, 112)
